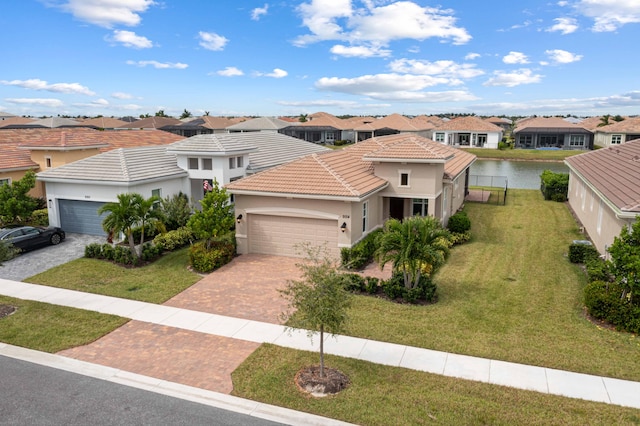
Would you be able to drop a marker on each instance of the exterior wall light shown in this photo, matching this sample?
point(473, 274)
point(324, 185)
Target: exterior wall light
point(239, 218)
point(343, 227)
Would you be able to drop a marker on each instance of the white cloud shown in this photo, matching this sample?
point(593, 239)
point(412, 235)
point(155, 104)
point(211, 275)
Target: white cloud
point(609, 15)
point(513, 78)
point(334, 103)
point(564, 26)
point(130, 39)
point(563, 3)
point(515, 58)
point(562, 56)
point(230, 72)
point(448, 69)
point(37, 84)
point(121, 95)
point(98, 103)
point(276, 73)
point(471, 56)
point(259, 11)
point(159, 65)
point(107, 13)
point(377, 24)
point(360, 51)
point(52, 103)
point(212, 41)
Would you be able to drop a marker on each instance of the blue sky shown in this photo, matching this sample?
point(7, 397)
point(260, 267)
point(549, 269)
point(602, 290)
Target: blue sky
point(269, 58)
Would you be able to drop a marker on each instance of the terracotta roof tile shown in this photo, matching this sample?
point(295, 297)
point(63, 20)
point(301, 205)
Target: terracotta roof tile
point(347, 172)
point(546, 122)
point(470, 124)
point(629, 125)
point(393, 121)
point(151, 123)
point(614, 172)
point(106, 123)
point(15, 121)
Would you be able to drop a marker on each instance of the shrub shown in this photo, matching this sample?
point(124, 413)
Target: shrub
point(372, 285)
point(341, 142)
point(39, 217)
point(177, 211)
point(354, 282)
point(554, 186)
point(93, 251)
point(582, 251)
point(502, 145)
point(123, 256)
point(108, 251)
point(459, 223)
point(598, 270)
point(394, 287)
point(150, 252)
point(150, 231)
point(604, 301)
point(361, 253)
point(429, 289)
point(207, 257)
point(459, 238)
point(172, 240)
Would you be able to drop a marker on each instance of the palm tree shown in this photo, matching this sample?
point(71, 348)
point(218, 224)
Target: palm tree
point(130, 211)
point(415, 246)
point(604, 120)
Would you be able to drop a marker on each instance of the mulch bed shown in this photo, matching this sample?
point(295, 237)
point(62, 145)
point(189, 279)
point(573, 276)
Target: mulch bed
point(308, 380)
point(6, 310)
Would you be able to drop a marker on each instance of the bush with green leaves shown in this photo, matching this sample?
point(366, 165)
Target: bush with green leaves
point(459, 223)
point(108, 251)
point(394, 287)
point(354, 282)
point(581, 252)
point(151, 252)
point(459, 238)
point(176, 210)
point(39, 218)
point(372, 285)
point(7, 251)
point(174, 239)
point(598, 270)
point(554, 186)
point(93, 251)
point(605, 301)
point(361, 253)
point(211, 255)
point(16, 205)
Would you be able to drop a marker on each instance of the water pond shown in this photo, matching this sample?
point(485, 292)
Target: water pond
point(519, 174)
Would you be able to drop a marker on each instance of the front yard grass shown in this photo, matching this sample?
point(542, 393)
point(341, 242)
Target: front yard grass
point(509, 294)
point(153, 283)
point(382, 395)
point(51, 328)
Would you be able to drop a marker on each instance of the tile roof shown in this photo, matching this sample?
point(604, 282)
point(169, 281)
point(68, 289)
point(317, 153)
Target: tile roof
point(151, 123)
point(531, 124)
point(322, 119)
point(347, 173)
point(106, 123)
point(266, 149)
point(260, 123)
point(591, 123)
point(470, 124)
point(121, 165)
point(404, 148)
point(614, 172)
point(15, 121)
point(426, 121)
point(53, 122)
point(392, 121)
point(628, 125)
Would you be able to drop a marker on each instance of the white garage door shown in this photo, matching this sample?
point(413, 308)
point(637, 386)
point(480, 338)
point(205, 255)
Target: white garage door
point(81, 217)
point(279, 235)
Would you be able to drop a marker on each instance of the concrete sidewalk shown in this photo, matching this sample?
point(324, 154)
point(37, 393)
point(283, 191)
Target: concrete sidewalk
point(539, 379)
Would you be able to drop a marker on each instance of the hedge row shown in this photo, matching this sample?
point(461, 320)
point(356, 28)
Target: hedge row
point(121, 254)
point(361, 253)
point(393, 288)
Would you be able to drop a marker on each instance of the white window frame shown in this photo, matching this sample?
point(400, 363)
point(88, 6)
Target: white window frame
point(365, 216)
point(232, 163)
point(239, 162)
point(616, 139)
point(157, 193)
point(48, 162)
point(190, 163)
point(5, 181)
point(577, 140)
point(424, 206)
point(439, 137)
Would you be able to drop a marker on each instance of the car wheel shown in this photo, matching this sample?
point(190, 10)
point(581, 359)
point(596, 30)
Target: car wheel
point(55, 239)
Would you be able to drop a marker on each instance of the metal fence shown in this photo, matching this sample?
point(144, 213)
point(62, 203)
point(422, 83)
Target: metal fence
point(488, 189)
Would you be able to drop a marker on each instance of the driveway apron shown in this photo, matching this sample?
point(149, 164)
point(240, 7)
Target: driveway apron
point(245, 288)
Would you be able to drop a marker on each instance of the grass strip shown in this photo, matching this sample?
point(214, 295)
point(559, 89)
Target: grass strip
point(382, 395)
point(51, 328)
point(153, 283)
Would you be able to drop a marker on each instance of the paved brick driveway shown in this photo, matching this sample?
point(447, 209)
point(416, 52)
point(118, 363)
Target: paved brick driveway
point(245, 288)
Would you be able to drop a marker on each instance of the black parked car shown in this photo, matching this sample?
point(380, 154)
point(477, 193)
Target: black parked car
point(31, 237)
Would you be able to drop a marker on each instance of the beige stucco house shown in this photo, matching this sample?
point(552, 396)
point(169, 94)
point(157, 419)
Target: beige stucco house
point(604, 190)
point(617, 133)
point(338, 197)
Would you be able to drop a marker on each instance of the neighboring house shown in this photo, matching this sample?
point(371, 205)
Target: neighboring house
point(552, 132)
point(604, 190)
point(393, 124)
point(321, 128)
point(617, 133)
point(468, 131)
point(338, 197)
point(47, 123)
point(503, 123)
point(204, 125)
point(42, 149)
point(260, 124)
point(14, 122)
point(152, 123)
point(106, 123)
point(76, 191)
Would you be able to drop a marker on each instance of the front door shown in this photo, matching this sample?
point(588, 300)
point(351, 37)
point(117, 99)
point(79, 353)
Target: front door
point(396, 208)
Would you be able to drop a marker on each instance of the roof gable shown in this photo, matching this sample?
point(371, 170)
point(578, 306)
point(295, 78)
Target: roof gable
point(629, 125)
point(470, 124)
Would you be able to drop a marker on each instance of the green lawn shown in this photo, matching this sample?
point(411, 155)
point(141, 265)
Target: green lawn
point(52, 328)
point(380, 395)
point(509, 294)
point(154, 283)
point(524, 154)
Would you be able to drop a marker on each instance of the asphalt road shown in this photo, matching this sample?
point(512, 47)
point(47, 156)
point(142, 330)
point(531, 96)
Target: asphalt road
point(31, 394)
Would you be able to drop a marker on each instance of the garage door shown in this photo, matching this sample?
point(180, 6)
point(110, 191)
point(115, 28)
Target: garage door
point(279, 235)
point(81, 217)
